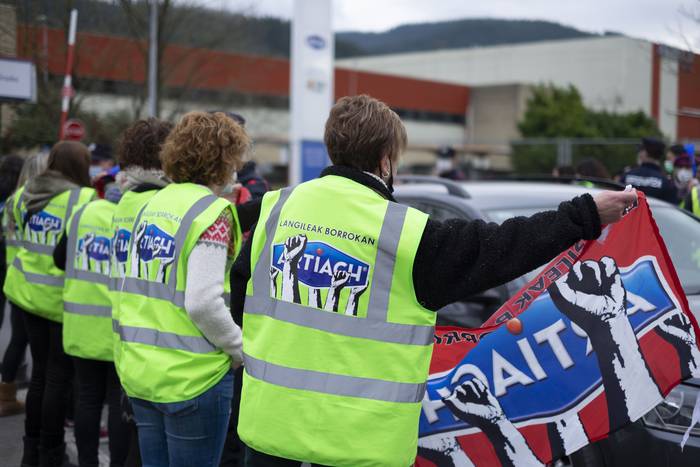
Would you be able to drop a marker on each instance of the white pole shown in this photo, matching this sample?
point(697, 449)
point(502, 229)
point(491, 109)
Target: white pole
point(67, 90)
point(311, 87)
point(153, 60)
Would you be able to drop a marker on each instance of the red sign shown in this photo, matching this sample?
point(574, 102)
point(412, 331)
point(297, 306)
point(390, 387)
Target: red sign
point(73, 130)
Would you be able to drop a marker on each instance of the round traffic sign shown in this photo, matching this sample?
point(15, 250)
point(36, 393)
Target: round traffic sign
point(73, 130)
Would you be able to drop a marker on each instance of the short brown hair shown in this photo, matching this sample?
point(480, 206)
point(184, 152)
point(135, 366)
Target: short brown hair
point(204, 148)
point(72, 160)
point(361, 130)
point(141, 143)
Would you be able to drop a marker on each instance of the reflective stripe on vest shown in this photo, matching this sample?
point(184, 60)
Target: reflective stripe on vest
point(165, 340)
point(87, 310)
point(374, 326)
point(340, 385)
point(34, 278)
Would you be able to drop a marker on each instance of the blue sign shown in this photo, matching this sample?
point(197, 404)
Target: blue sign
point(316, 42)
point(320, 262)
point(568, 368)
point(314, 158)
point(44, 222)
point(156, 244)
point(121, 245)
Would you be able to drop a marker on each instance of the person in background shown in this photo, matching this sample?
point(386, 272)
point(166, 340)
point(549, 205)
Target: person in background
point(447, 164)
point(183, 243)
point(34, 286)
point(682, 175)
point(101, 160)
point(563, 171)
point(592, 168)
point(84, 254)
point(10, 168)
point(140, 178)
point(649, 176)
point(674, 151)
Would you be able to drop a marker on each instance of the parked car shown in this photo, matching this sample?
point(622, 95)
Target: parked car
point(653, 440)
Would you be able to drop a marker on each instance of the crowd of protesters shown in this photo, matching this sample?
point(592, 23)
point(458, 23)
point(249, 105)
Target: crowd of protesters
point(669, 174)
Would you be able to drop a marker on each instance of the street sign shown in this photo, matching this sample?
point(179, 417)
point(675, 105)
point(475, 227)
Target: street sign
point(73, 130)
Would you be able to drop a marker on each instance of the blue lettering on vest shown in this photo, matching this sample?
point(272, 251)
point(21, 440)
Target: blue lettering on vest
point(45, 222)
point(320, 261)
point(121, 245)
point(156, 244)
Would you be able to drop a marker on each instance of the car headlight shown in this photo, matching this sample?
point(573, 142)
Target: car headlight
point(675, 412)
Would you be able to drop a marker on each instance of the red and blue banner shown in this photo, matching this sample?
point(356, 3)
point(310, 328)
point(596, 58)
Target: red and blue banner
point(591, 344)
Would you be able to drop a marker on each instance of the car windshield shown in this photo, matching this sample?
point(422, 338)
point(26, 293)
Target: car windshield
point(681, 233)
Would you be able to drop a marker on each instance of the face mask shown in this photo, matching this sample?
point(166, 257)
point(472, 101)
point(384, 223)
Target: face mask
point(668, 166)
point(390, 181)
point(684, 175)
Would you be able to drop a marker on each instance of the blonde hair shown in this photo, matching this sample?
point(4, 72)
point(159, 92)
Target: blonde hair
point(204, 148)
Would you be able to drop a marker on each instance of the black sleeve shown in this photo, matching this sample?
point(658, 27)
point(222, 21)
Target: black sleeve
point(670, 192)
point(459, 258)
point(240, 274)
point(248, 213)
point(59, 253)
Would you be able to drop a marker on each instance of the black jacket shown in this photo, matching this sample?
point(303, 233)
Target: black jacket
point(650, 179)
point(459, 258)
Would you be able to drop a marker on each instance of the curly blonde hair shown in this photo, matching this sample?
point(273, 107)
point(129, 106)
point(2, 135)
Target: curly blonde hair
point(204, 148)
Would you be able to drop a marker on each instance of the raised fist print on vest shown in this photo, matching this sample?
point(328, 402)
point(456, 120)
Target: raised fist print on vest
point(153, 245)
point(326, 272)
point(92, 253)
point(44, 228)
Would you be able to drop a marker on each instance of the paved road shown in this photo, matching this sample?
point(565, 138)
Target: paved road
point(12, 430)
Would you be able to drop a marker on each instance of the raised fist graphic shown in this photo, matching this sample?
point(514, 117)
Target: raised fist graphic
point(293, 251)
point(679, 332)
point(473, 403)
point(274, 272)
point(135, 254)
point(294, 248)
point(591, 294)
point(354, 300)
point(593, 297)
point(338, 281)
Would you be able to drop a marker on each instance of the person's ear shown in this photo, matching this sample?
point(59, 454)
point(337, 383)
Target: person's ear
point(385, 166)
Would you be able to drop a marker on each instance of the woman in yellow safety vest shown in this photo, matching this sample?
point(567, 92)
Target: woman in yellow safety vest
point(34, 286)
point(177, 341)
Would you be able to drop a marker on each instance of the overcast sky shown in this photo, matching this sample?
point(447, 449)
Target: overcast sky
point(656, 20)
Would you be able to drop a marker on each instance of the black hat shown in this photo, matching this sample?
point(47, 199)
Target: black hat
point(446, 152)
point(654, 147)
point(100, 152)
point(678, 150)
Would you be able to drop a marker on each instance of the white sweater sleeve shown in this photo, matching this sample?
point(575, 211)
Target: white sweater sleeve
point(204, 300)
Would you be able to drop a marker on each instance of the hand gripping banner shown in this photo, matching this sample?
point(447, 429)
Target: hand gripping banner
point(590, 345)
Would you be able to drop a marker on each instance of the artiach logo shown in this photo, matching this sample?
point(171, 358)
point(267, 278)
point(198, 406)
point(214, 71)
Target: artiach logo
point(44, 222)
point(99, 248)
point(156, 243)
point(121, 245)
point(320, 261)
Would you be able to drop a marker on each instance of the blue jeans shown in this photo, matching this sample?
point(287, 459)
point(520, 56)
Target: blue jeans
point(189, 433)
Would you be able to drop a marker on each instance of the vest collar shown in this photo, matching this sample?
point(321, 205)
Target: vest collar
point(360, 177)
